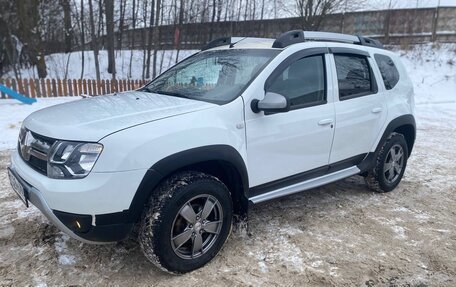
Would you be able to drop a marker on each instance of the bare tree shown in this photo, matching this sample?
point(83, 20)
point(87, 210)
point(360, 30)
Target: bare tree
point(143, 38)
point(211, 27)
point(94, 42)
point(9, 54)
point(30, 31)
point(150, 39)
point(123, 4)
point(262, 9)
point(312, 12)
point(179, 28)
point(82, 39)
point(133, 17)
point(156, 37)
point(67, 23)
point(109, 7)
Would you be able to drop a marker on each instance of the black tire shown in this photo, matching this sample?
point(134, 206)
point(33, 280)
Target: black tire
point(162, 221)
point(380, 180)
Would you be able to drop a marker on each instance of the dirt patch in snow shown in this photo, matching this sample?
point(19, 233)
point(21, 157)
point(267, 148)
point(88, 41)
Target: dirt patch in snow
point(340, 234)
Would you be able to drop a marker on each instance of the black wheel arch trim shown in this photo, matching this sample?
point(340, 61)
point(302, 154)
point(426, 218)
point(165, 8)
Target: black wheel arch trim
point(180, 160)
point(401, 121)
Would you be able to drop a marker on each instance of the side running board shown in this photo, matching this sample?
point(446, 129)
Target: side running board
point(305, 185)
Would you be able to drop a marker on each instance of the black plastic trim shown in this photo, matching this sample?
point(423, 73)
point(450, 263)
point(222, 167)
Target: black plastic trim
point(175, 162)
point(300, 177)
point(398, 122)
point(351, 51)
point(406, 120)
point(306, 105)
point(111, 227)
point(108, 233)
point(289, 38)
point(217, 43)
point(366, 41)
point(69, 219)
point(368, 163)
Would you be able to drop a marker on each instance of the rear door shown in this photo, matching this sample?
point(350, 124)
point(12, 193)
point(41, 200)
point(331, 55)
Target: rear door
point(285, 144)
point(360, 107)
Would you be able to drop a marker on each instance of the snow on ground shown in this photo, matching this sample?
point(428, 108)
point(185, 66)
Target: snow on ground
point(432, 69)
point(61, 65)
point(337, 235)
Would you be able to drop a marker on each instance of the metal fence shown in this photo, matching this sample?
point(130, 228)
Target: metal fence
point(389, 26)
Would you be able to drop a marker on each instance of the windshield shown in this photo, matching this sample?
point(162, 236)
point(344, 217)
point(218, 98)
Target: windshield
point(213, 76)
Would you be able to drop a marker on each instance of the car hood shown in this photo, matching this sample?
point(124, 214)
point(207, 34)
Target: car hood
point(91, 119)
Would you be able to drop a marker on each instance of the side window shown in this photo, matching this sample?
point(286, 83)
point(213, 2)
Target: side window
point(388, 70)
point(354, 76)
point(302, 82)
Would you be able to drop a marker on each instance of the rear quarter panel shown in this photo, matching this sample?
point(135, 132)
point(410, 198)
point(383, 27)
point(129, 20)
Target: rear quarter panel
point(400, 99)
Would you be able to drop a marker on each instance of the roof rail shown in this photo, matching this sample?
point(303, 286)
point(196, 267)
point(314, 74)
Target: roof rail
point(299, 36)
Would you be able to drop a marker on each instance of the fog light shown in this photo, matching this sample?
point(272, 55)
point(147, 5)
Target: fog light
point(79, 223)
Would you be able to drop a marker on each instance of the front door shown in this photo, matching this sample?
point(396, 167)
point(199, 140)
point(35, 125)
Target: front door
point(280, 145)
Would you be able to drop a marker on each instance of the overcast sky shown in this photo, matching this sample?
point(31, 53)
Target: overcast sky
point(288, 7)
point(382, 4)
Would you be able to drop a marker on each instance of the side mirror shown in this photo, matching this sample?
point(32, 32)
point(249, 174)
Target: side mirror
point(271, 103)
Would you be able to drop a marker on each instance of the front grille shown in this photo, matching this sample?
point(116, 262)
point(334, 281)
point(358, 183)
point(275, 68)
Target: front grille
point(38, 164)
point(34, 149)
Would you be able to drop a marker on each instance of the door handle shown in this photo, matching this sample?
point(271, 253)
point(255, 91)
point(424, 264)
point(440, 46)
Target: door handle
point(325, 122)
point(376, 110)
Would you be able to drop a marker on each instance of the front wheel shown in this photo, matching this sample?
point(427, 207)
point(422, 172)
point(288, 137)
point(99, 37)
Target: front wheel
point(187, 222)
point(390, 164)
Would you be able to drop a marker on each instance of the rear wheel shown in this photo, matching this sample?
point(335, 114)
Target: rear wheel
point(187, 222)
point(390, 164)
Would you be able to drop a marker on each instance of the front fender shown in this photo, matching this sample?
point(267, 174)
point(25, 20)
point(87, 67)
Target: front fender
point(178, 161)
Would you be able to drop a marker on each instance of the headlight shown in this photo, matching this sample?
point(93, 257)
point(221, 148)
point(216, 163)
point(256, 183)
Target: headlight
point(72, 159)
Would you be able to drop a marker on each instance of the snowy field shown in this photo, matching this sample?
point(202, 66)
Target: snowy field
point(69, 66)
point(340, 234)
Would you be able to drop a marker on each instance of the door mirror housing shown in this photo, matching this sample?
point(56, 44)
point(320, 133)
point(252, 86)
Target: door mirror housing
point(271, 103)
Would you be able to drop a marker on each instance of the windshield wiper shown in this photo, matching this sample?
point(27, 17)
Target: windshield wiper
point(146, 89)
point(173, 94)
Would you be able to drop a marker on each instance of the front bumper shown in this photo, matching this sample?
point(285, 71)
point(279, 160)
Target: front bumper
point(77, 226)
point(91, 234)
point(88, 209)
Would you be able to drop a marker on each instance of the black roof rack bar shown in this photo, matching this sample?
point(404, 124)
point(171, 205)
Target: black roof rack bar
point(299, 36)
point(221, 42)
point(366, 41)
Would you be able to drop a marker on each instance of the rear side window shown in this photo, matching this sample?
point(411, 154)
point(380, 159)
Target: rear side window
point(388, 70)
point(302, 82)
point(354, 76)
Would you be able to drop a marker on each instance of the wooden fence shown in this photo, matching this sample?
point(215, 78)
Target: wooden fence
point(44, 88)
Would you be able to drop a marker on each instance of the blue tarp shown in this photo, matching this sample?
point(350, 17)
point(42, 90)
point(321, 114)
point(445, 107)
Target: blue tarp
point(16, 95)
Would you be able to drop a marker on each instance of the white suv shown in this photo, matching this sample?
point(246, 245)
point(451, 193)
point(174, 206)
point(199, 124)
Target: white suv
point(243, 121)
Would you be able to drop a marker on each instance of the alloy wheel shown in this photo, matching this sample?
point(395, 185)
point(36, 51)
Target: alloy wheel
point(196, 226)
